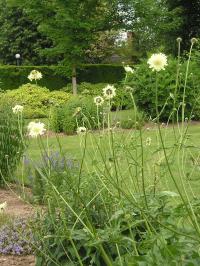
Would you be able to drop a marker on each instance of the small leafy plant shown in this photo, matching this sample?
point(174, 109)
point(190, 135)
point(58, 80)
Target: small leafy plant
point(11, 142)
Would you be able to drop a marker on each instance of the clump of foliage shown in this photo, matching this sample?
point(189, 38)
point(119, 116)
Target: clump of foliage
point(122, 100)
point(143, 84)
point(123, 234)
point(36, 100)
point(135, 119)
point(61, 167)
point(86, 88)
point(11, 141)
point(19, 34)
point(79, 111)
point(16, 238)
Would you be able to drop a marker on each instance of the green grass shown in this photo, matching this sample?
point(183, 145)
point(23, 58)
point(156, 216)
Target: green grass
point(155, 167)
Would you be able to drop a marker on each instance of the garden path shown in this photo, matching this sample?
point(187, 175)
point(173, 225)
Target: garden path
point(18, 208)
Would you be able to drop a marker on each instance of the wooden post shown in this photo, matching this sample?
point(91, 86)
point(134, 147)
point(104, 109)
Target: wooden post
point(74, 82)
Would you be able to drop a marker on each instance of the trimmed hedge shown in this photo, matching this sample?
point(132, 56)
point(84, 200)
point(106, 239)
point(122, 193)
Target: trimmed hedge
point(57, 77)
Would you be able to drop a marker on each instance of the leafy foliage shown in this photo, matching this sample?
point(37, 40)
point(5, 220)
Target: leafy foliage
point(35, 99)
point(135, 119)
point(19, 34)
point(153, 24)
point(190, 20)
point(143, 83)
point(11, 142)
point(66, 24)
point(125, 228)
point(79, 111)
point(59, 165)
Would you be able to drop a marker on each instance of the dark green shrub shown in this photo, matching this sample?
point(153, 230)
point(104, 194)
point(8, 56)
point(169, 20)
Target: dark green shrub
point(35, 99)
point(143, 83)
point(79, 111)
point(11, 143)
point(98, 73)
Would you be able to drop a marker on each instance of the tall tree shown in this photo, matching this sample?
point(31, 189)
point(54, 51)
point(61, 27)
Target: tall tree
point(191, 19)
point(153, 24)
point(71, 25)
point(19, 34)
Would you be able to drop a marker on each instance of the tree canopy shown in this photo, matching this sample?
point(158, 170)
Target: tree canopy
point(19, 34)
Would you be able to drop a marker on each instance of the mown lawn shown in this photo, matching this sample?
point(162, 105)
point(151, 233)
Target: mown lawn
point(185, 163)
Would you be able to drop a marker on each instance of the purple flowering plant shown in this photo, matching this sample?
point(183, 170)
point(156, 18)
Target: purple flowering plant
point(16, 238)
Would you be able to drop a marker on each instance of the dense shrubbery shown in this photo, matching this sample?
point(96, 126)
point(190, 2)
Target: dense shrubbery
point(36, 100)
point(79, 111)
point(143, 83)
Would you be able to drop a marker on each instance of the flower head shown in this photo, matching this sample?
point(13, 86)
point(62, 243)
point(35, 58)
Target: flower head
point(36, 128)
point(128, 69)
point(109, 92)
point(3, 206)
point(179, 39)
point(98, 100)
point(81, 130)
point(194, 40)
point(35, 75)
point(17, 109)
point(157, 62)
point(148, 141)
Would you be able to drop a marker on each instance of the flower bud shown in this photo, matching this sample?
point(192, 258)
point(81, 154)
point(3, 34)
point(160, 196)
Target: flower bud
point(179, 39)
point(194, 40)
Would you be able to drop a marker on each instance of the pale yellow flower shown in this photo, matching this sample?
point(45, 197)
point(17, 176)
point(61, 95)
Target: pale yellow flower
point(98, 100)
point(157, 62)
point(35, 75)
point(109, 92)
point(17, 109)
point(36, 128)
point(81, 130)
point(148, 141)
point(128, 69)
point(3, 206)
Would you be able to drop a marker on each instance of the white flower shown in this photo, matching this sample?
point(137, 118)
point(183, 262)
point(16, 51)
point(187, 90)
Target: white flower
point(157, 62)
point(98, 100)
point(128, 69)
point(81, 130)
point(36, 128)
point(34, 75)
point(18, 109)
point(109, 92)
point(3, 206)
point(148, 141)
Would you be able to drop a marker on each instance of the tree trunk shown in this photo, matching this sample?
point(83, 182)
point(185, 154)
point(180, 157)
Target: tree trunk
point(74, 83)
